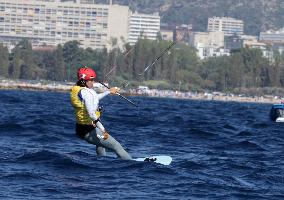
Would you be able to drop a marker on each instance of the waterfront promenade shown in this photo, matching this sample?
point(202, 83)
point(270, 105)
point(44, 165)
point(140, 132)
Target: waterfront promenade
point(66, 86)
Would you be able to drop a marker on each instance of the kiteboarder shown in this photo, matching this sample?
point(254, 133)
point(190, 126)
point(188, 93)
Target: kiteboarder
point(85, 102)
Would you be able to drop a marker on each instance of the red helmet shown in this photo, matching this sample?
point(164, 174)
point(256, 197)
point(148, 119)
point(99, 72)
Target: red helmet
point(85, 73)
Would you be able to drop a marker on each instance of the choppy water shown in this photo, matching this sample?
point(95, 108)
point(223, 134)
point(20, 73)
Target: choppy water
point(220, 150)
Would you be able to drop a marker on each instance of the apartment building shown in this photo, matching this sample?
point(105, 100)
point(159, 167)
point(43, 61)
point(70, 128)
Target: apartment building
point(227, 25)
point(143, 26)
point(51, 22)
point(272, 37)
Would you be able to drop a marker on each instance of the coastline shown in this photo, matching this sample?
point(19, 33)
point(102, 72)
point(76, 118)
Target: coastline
point(65, 87)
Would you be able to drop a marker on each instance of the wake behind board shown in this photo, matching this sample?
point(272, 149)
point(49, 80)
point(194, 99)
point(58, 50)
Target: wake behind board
point(164, 160)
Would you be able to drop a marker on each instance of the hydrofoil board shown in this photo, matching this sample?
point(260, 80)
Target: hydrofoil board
point(164, 160)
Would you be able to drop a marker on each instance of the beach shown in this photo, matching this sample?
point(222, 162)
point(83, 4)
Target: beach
point(66, 86)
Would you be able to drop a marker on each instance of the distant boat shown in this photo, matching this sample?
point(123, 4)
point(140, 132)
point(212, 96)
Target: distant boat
point(277, 112)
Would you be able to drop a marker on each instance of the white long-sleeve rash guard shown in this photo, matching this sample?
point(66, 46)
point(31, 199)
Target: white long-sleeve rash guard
point(91, 100)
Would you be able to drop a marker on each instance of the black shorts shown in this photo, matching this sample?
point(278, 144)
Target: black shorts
point(82, 130)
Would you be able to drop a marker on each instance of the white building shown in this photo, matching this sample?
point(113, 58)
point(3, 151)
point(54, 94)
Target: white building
point(51, 22)
point(227, 25)
point(143, 26)
point(209, 39)
point(205, 51)
point(209, 44)
point(272, 37)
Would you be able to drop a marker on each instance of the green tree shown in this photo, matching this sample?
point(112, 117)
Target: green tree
point(172, 66)
point(59, 67)
point(142, 57)
point(253, 63)
point(28, 70)
point(273, 71)
point(101, 58)
point(236, 71)
point(16, 63)
point(281, 69)
point(182, 67)
point(72, 55)
point(4, 61)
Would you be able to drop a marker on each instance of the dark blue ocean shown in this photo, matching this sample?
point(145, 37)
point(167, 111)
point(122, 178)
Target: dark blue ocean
point(220, 150)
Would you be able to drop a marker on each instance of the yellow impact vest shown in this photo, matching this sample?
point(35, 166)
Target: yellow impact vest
point(81, 114)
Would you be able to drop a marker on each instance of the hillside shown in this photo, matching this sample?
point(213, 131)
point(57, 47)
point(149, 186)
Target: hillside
point(258, 15)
